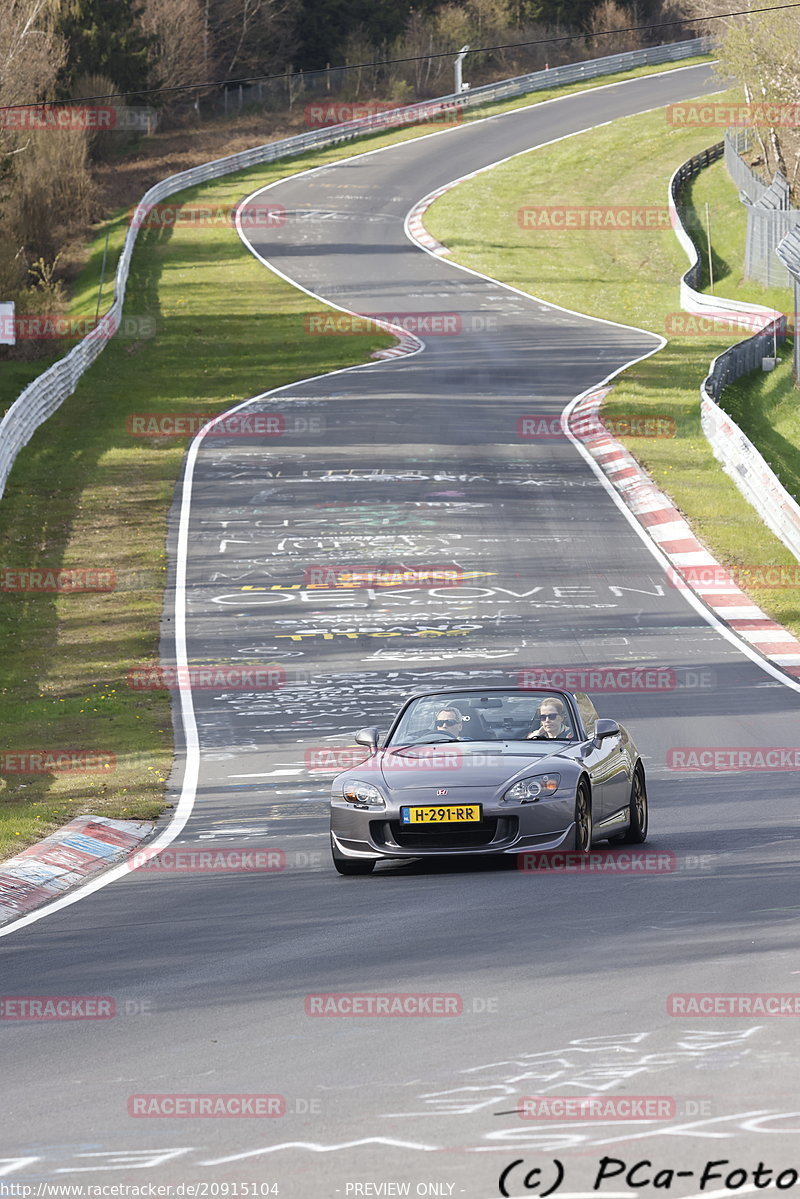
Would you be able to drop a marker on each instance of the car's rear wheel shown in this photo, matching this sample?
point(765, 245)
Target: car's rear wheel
point(582, 841)
point(639, 814)
point(352, 866)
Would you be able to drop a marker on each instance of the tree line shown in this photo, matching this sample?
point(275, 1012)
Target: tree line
point(63, 49)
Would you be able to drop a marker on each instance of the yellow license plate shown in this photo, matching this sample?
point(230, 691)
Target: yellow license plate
point(469, 813)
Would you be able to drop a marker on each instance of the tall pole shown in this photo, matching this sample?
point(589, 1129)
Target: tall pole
point(102, 275)
point(708, 239)
point(795, 335)
point(459, 60)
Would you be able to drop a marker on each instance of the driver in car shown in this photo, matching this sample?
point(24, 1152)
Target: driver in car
point(550, 722)
point(450, 721)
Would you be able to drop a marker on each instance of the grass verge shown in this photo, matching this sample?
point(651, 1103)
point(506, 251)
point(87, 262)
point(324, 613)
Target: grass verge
point(85, 493)
point(631, 276)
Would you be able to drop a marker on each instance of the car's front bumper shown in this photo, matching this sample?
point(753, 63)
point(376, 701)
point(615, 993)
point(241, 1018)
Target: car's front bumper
point(505, 829)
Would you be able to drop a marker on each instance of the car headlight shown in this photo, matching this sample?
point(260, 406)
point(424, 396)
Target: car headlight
point(529, 790)
point(363, 794)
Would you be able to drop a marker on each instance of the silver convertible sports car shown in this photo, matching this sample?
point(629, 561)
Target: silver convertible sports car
point(494, 770)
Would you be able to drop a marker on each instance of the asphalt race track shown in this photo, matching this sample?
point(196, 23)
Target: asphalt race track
point(562, 980)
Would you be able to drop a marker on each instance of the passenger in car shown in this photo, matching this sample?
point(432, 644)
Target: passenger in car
point(550, 722)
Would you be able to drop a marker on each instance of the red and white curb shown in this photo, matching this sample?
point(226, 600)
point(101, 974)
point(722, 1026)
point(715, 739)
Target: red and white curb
point(417, 230)
point(420, 234)
point(406, 344)
point(73, 854)
point(674, 537)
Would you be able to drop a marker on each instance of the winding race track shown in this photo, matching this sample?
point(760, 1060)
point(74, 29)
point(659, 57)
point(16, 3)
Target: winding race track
point(561, 982)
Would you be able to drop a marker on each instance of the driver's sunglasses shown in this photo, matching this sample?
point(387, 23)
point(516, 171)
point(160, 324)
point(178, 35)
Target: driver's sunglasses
point(445, 722)
point(549, 716)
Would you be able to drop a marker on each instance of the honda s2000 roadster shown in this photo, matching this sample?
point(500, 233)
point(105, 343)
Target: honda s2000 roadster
point(494, 770)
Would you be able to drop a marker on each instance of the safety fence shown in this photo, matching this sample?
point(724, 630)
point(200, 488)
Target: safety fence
point(789, 253)
point(737, 455)
point(749, 182)
point(47, 392)
point(770, 215)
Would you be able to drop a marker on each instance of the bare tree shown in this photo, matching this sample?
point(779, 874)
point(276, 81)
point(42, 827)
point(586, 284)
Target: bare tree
point(30, 59)
point(252, 36)
point(30, 55)
point(609, 16)
point(181, 48)
point(759, 52)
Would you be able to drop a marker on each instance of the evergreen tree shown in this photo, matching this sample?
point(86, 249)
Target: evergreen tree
point(104, 37)
point(323, 26)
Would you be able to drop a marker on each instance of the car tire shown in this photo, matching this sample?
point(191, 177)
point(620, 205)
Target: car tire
point(352, 866)
point(582, 836)
point(639, 813)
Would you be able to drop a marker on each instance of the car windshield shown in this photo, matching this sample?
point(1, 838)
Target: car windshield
point(493, 716)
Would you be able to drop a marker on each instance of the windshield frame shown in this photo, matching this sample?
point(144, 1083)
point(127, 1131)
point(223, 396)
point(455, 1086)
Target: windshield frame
point(452, 694)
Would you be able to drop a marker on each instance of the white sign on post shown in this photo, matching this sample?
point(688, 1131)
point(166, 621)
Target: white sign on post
point(7, 337)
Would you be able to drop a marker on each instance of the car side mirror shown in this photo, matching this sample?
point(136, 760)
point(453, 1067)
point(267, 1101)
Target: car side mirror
point(605, 728)
point(368, 737)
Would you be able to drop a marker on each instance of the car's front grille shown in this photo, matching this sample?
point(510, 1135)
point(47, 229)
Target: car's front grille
point(465, 836)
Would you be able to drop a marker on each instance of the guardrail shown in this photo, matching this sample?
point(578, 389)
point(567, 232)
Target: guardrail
point(737, 455)
point(47, 392)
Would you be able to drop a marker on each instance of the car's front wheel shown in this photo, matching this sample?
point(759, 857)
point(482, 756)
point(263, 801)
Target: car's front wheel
point(582, 842)
point(352, 866)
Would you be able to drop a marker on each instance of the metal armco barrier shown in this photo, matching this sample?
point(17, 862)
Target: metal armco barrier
point(737, 455)
point(46, 393)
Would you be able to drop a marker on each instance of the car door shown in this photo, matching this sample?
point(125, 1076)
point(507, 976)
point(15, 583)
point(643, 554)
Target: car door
point(606, 763)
